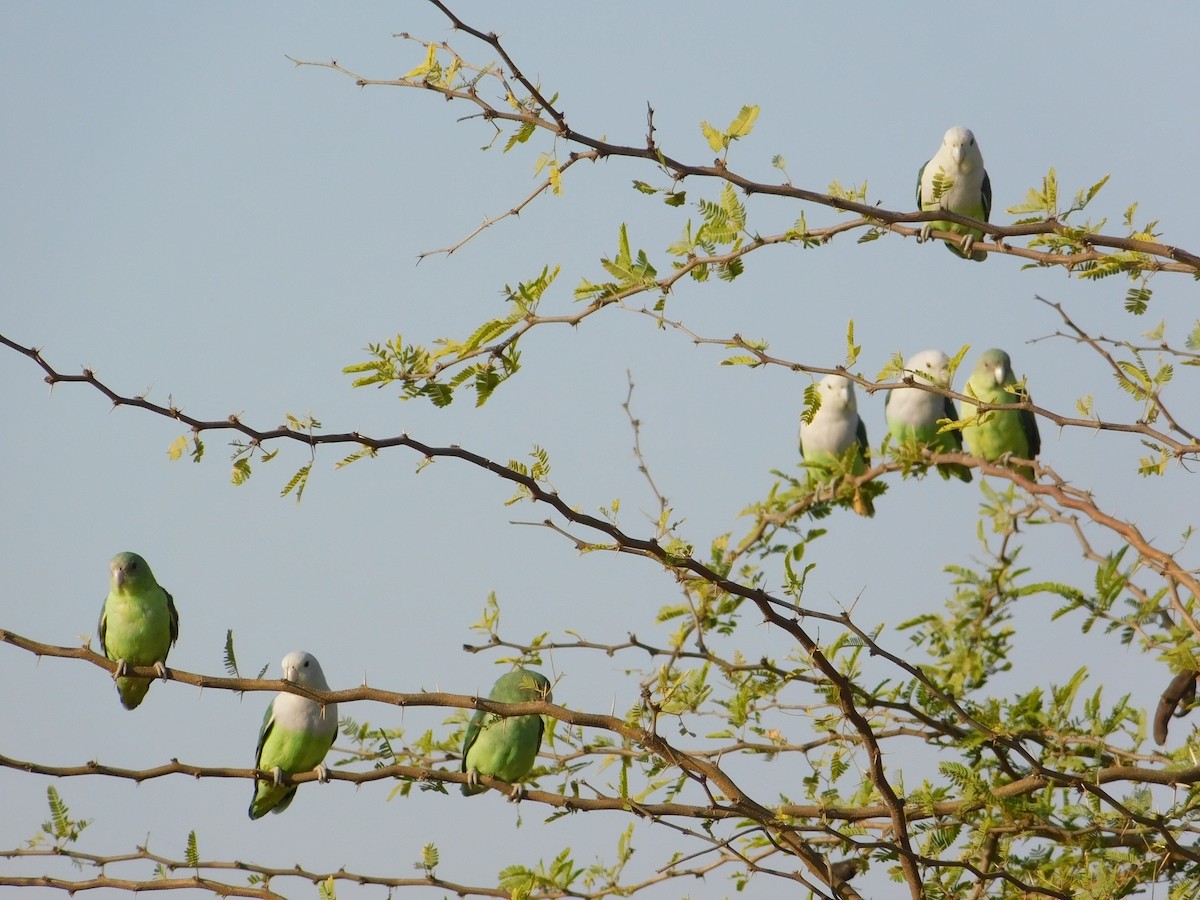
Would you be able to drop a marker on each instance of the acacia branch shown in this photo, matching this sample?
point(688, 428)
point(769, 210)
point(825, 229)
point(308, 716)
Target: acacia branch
point(770, 607)
point(1153, 256)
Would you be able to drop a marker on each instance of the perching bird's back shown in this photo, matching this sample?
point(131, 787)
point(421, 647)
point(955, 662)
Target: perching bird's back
point(913, 414)
point(955, 179)
point(505, 748)
point(1000, 432)
point(296, 735)
point(138, 624)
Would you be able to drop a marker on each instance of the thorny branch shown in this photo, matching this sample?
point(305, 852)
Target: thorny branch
point(779, 612)
point(1155, 256)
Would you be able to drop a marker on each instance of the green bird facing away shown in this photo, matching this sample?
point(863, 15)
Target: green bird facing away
point(1003, 432)
point(138, 625)
point(913, 414)
point(296, 734)
point(834, 429)
point(505, 748)
point(955, 180)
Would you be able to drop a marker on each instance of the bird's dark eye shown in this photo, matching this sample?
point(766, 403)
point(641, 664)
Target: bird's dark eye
point(306, 664)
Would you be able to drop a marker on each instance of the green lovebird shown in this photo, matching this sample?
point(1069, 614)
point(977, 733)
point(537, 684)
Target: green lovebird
point(835, 428)
point(1013, 432)
point(296, 734)
point(138, 625)
point(913, 414)
point(956, 180)
point(505, 748)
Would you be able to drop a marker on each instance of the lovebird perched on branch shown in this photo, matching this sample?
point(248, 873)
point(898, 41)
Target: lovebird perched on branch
point(1002, 432)
point(956, 180)
point(296, 734)
point(505, 748)
point(138, 625)
point(835, 428)
point(913, 414)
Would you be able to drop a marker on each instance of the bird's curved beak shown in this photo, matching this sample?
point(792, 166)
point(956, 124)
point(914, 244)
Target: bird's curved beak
point(1000, 379)
point(119, 575)
point(957, 154)
point(290, 673)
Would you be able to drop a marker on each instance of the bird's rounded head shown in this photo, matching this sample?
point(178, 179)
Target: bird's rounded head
point(960, 142)
point(126, 567)
point(929, 366)
point(837, 393)
point(996, 365)
point(300, 667)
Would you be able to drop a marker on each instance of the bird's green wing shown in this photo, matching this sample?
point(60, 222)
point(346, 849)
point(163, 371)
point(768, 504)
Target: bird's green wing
point(1029, 426)
point(173, 613)
point(268, 724)
point(920, 175)
point(949, 412)
point(474, 729)
point(102, 626)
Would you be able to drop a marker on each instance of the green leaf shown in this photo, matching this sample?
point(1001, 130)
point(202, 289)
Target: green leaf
point(716, 140)
point(191, 855)
point(298, 482)
point(743, 123)
point(852, 349)
point(241, 471)
point(520, 136)
point(429, 858)
point(231, 667)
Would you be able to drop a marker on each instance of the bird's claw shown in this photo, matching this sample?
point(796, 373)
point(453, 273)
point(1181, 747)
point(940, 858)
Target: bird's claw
point(472, 778)
point(924, 235)
point(277, 776)
point(517, 793)
point(122, 668)
point(967, 242)
point(322, 773)
point(160, 669)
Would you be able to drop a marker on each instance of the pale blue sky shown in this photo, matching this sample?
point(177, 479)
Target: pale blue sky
point(187, 213)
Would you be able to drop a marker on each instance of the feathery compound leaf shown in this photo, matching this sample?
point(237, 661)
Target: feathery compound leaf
point(520, 136)
point(1043, 202)
point(192, 855)
point(812, 403)
point(852, 349)
point(425, 67)
point(327, 890)
point(230, 659)
point(743, 123)
point(61, 826)
point(1093, 191)
point(429, 858)
point(356, 456)
point(487, 331)
point(1137, 300)
point(716, 140)
point(241, 471)
point(298, 482)
point(733, 207)
point(175, 451)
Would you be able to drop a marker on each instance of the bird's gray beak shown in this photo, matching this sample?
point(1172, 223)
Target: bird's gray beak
point(119, 577)
point(957, 154)
point(1000, 375)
